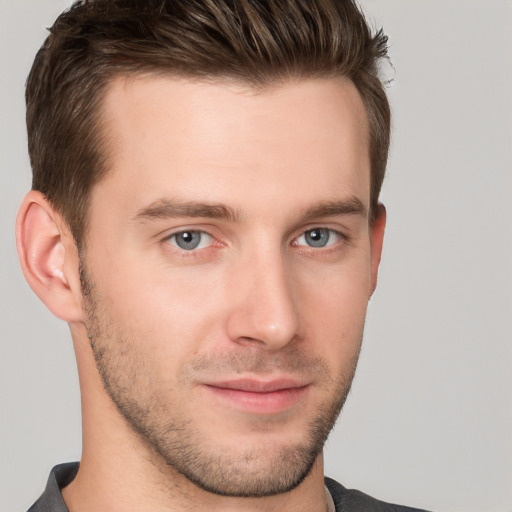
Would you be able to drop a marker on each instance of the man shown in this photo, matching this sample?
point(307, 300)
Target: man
point(205, 216)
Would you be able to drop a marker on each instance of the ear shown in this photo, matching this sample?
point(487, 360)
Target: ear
point(376, 240)
point(49, 257)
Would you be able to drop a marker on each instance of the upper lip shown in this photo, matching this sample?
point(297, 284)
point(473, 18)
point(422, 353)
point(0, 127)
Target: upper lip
point(258, 386)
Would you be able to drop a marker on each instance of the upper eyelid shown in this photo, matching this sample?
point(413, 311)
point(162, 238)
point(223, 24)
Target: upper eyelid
point(338, 231)
point(332, 230)
point(168, 233)
point(185, 230)
point(180, 231)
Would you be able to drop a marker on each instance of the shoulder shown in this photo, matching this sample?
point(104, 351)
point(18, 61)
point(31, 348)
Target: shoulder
point(350, 500)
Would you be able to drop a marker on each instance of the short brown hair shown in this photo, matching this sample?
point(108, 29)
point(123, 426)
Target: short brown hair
point(256, 42)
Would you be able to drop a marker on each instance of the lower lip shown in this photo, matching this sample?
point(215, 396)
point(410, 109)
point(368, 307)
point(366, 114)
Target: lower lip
point(270, 402)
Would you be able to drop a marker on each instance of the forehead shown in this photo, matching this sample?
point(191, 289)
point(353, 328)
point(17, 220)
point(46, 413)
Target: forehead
point(221, 141)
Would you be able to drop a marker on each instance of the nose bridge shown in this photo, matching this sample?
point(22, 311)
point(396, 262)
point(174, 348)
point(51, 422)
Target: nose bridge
point(266, 309)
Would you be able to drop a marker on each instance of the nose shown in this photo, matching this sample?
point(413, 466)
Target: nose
point(264, 312)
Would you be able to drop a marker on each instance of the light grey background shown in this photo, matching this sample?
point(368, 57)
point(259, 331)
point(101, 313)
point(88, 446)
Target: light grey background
point(429, 420)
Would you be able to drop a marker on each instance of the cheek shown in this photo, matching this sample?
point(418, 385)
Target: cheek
point(168, 311)
point(334, 310)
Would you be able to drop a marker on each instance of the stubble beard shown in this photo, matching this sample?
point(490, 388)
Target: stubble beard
point(179, 444)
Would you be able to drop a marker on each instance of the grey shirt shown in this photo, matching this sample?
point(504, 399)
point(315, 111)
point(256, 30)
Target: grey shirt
point(345, 500)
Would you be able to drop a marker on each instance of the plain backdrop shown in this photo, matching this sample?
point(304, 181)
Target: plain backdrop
point(429, 419)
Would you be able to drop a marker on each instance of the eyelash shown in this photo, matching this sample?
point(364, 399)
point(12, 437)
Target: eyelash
point(322, 230)
point(305, 248)
point(193, 251)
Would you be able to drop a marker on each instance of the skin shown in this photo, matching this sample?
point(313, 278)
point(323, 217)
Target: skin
point(169, 327)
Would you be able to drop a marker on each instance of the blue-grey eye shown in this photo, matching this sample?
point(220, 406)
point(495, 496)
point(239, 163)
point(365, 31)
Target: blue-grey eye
point(190, 240)
point(318, 237)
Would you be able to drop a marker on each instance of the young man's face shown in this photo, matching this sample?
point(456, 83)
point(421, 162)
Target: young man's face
point(227, 271)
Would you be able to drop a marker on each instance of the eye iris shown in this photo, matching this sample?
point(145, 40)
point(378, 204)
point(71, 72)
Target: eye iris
point(317, 237)
point(188, 240)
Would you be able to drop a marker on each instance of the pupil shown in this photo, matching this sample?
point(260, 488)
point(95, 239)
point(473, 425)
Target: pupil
point(188, 240)
point(317, 237)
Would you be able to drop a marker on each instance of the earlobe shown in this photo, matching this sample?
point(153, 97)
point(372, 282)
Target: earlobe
point(48, 257)
point(376, 239)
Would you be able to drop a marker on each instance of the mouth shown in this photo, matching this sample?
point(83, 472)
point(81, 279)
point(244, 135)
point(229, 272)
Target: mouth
point(257, 396)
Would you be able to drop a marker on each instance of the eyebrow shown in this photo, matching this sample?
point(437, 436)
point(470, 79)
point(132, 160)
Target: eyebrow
point(351, 206)
point(165, 209)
